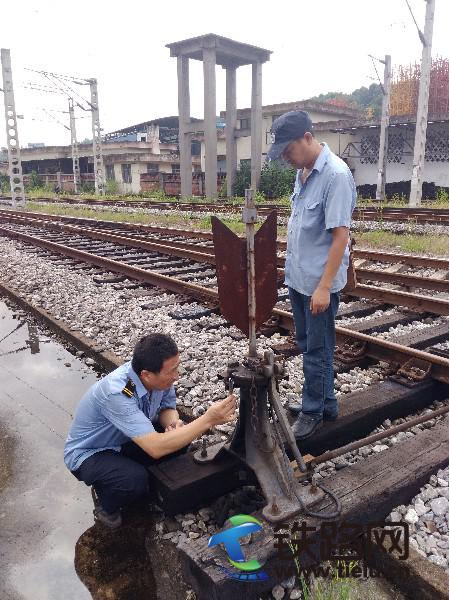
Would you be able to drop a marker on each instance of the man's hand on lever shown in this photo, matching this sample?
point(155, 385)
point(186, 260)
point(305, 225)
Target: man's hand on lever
point(178, 434)
point(175, 425)
point(222, 411)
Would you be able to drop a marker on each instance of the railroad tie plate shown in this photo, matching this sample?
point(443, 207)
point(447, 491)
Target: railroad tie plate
point(413, 372)
point(351, 351)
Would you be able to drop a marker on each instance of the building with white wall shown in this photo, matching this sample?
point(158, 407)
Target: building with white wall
point(318, 111)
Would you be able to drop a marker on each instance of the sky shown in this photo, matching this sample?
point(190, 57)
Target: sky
point(317, 47)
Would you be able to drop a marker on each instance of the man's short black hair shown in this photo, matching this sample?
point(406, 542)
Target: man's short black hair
point(151, 351)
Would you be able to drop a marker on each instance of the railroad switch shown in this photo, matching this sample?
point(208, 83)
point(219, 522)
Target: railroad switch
point(260, 436)
point(247, 290)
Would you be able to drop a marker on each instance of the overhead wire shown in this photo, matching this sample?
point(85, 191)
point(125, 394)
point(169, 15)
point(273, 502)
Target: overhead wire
point(420, 33)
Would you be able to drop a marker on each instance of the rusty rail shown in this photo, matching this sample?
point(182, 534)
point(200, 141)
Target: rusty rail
point(375, 348)
point(170, 283)
point(405, 214)
point(192, 252)
point(372, 255)
point(375, 437)
point(378, 348)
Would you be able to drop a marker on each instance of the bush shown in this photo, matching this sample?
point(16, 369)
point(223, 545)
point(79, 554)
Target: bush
point(87, 188)
point(5, 188)
point(242, 180)
point(112, 187)
point(223, 189)
point(35, 182)
point(276, 181)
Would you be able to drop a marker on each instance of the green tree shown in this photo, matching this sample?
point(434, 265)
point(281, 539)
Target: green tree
point(242, 179)
point(5, 188)
point(362, 98)
point(35, 181)
point(276, 180)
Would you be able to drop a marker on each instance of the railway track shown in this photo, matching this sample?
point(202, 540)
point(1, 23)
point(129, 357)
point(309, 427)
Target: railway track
point(186, 245)
point(438, 216)
point(190, 273)
point(387, 478)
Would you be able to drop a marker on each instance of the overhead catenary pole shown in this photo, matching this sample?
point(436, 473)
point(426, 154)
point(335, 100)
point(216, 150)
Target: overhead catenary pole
point(384, 124)
point(12, 134)
point(74, 143)
point(423, 107)
point(96, 139)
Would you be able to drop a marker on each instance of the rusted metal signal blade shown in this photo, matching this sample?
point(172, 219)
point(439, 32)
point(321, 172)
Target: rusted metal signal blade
point(232, 272)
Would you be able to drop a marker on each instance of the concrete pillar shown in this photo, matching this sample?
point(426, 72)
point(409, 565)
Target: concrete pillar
point(210, 125)
point(256, 125)
point(185, 147)
point(231, 124)
point(162, 181)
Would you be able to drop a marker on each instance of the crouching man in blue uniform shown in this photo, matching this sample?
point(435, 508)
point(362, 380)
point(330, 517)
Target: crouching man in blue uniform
point(128, 420)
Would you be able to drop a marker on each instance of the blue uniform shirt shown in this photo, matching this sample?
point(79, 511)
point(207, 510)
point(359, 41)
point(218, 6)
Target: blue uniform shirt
point(106, 418)
point(326, 200)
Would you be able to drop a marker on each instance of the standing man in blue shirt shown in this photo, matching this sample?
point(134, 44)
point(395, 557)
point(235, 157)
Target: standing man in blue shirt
point(317, 258)
point(127, 420)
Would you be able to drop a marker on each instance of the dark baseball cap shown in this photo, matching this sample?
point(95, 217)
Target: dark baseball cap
point(288, 127)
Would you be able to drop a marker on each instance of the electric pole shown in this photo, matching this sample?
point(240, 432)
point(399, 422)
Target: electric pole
point(12, 134)
point(75, 153)
point(423, 107)
point(385, 122)
point(96, 139)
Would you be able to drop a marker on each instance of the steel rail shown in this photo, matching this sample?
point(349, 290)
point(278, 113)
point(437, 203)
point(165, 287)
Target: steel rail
point(375, 437)
point(428, 283)
point(181, 250)
point(376, 348)
point(191, 252)
point(372, 255)
point(405, 214)
point(407, 259)
point(170, 283)
point(358, 253)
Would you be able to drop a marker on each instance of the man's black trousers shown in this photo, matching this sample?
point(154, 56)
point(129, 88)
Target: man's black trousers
point(119, 478)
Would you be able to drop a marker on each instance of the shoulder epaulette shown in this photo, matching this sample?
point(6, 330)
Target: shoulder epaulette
point(129, 388)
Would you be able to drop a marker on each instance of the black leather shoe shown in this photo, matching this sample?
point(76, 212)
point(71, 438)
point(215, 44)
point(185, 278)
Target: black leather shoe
point(329, 417)
point(294, 407)
point(305, 426)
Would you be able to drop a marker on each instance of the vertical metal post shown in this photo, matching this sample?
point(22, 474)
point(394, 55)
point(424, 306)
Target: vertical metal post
point(12, 134)
point(250, 218)
point(385, 122)
point(74, 143)
point(96, 139)
point(423, 108)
